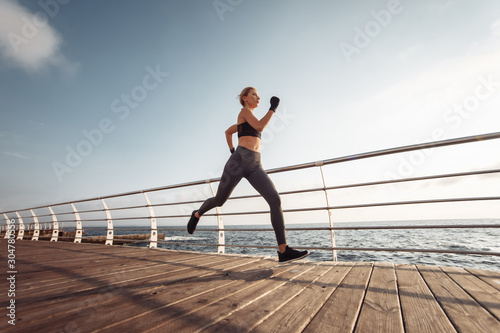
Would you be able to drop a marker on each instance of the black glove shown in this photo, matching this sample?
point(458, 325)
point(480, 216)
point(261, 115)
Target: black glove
point(275, 101)
point(231, 150)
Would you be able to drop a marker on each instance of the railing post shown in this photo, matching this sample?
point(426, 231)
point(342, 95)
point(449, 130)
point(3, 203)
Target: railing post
point(79, 231)
point(109, 221)
point(153, 239)
point(55, 226)
point(7, 229)
point(220, 224)
point(20, 234)
point(36, 231)
point(332, 233)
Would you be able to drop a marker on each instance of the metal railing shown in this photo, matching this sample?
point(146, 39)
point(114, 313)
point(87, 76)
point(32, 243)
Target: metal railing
point(67, 212)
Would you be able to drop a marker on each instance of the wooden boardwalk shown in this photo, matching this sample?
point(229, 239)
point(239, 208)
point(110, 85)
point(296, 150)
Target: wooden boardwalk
point(67, 287)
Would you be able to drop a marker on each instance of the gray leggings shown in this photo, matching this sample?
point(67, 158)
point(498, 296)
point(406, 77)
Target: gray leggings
point(246, 163)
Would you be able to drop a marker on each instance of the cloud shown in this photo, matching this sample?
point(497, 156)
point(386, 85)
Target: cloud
point(16, 155)
point(28, 41)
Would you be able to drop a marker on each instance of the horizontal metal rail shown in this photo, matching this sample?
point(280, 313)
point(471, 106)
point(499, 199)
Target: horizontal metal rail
point(390, 151)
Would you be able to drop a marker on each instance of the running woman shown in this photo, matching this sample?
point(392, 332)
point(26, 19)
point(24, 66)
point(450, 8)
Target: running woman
point(245, 163)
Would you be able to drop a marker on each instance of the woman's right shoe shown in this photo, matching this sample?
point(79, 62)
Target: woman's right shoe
point(193, 221)
point(291, 254)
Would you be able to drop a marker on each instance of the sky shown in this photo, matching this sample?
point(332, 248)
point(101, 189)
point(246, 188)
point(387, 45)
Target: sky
point(99, 98)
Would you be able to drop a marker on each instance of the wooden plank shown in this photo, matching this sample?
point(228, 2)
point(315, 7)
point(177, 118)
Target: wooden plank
point(231, 302)
point(42, 249)
point(41, 256)
point(83, 298)
point(81, 284)
point(96, 271)
point(84, 303)
point(248, 317)
point(25, 267)
point(56, 274)
point(166, 303)
point(201, 310)
point(381, 311)
point(421, 311)
point(67, 256)
point(490, 277)
point(462, 310)
point(340, 311)
point(33, 265)
point(124, 286)
point(296, 314)
point(481, 291)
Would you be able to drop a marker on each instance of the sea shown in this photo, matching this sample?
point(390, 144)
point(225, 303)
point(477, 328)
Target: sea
point(455, 239)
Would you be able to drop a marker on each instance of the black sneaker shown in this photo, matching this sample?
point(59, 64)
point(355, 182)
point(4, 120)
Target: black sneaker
point(193, 221)
point(291, 254)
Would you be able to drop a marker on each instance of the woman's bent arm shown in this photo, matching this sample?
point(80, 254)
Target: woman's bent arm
point(229, 135)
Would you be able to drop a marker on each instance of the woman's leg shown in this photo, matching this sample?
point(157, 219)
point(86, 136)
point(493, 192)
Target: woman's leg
point(263, 184)
point(231, 176)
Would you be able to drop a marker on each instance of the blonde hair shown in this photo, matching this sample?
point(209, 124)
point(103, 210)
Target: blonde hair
point(245, 92)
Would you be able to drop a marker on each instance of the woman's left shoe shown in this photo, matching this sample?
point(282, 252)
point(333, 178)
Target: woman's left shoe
point(291, 254)
point(193, 221)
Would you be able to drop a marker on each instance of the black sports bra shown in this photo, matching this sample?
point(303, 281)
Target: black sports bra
point(245, 129)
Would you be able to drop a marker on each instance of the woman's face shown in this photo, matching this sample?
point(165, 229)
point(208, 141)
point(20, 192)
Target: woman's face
point(252, 99)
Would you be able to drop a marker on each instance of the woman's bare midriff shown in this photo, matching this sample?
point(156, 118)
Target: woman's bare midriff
point(250, 142)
